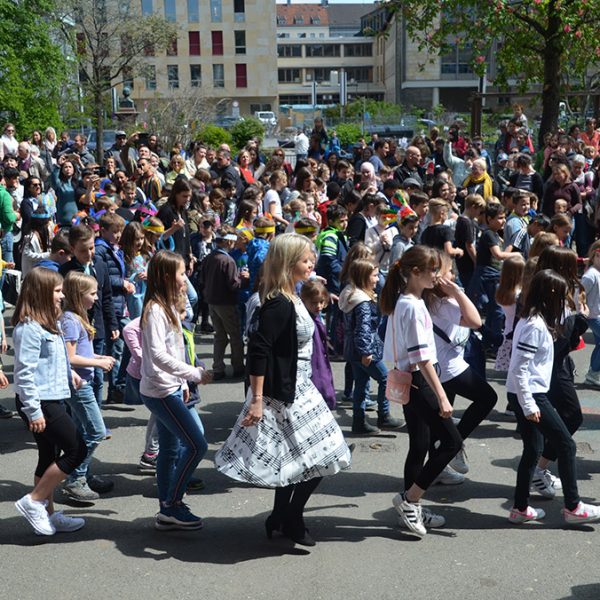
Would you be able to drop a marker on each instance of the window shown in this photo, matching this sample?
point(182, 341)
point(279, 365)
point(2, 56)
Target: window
point(298, 20)
point(239, 11)
point(193, 9)
point(150, 77)
point(195, 75)
point(172, 47)
point(218, 76)
point(171, 10)
point(149, 50)
point(194, 42)
point(457, 61)
point(128, 77)
point(280, 20)
point(147, 8)
point(216, 11)
point(293, 100)
point(289, 50)
point(358, 50)
point(326, 50)
point(315, 20)
point(240, 42)
point(241, 76)
point(319, 74)
point(126, 47)
point(217, 43)
point(173, 76)
point(289, 75)
point(257, 107)
point(360, 74)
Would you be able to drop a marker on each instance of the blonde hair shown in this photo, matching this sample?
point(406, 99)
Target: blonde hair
point(437, 205)
point(542, 240)
point(77, 284)
point(284, 252)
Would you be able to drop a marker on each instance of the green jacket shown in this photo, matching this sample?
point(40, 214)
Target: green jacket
point(8, 216)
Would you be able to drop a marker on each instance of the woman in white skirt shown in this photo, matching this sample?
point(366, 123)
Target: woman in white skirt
point(286, 437)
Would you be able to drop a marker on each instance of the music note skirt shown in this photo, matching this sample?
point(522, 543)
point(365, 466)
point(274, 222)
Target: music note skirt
point(292, 443)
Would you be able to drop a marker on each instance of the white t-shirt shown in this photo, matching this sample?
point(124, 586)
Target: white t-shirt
point(272, 197)
point(531, 361)
point(450, 356)
point(413, 329)
point(591, 285)
point(301, 144)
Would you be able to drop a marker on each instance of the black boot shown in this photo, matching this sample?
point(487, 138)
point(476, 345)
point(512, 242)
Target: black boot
point(360, 424)
point(386, 421)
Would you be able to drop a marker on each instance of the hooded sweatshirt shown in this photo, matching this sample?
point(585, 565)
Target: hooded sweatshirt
point(361, 321)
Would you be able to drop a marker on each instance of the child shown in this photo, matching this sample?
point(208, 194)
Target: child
point(561, 207)
point(380, 237)
point(467, 235)
point(202, 244)
point(507, 294)
point(363, 347)
point(60, 252)
point(42, 378)
point(562, 226)
point(136, 262)
point(410, 346)
point(80, 293)
point(102, 317)
point(517, 220)
point(522, 241)
point(164, 390)
point(527, 383)
point(591, 284)
point(36, 243)
point(419, 202)
point(316, 298)
point(272, 199)
point(438, 235)
point(264, 232)
point(107, 250)
point(453, 314)
point(408, 225)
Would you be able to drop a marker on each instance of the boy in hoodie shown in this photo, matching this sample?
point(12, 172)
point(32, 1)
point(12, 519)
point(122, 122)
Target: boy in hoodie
point(108, 251)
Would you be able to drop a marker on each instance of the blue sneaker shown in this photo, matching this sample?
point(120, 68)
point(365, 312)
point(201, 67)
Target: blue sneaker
point(177, 516)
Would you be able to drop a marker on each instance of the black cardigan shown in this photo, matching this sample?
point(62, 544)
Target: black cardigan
point(273, 349)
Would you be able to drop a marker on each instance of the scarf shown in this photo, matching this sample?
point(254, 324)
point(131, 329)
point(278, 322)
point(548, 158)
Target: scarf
point(485, 179)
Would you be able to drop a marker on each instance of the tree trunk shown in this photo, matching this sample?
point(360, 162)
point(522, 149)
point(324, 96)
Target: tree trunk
point(551, 91)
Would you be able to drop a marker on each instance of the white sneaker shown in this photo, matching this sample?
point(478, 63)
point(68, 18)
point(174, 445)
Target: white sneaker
point(460, 462)
point(584, 513)
point(524, 516)
point(449, 477)
point(63, 522)
point(593, 378)
point(431, 520)
point(542, 484)
point(37, 515)
point(555, 481)
point(410, 514)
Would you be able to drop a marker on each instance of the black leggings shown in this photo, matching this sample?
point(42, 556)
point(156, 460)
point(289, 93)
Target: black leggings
point(424, 423)
point(60, 435)
point(483, 398)
point(291, 499)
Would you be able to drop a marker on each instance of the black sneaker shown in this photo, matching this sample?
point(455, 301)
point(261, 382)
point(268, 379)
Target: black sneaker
point(115, 396)
point(218, 376)
point(100, 485)
point(206, 328)
point(363, 427)
point(195, 484)
point(5, 413)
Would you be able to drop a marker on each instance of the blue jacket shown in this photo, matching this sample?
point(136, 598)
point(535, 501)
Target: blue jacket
point(115, 265)
point(42, 369)
point(257, 249)
point(361, 322)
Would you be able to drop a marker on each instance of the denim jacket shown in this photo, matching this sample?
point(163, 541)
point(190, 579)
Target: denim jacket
point(42, 369)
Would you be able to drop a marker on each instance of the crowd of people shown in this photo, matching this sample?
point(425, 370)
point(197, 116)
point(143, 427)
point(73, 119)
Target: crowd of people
point(430, 255)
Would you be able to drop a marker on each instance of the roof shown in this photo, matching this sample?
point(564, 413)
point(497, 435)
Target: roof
point(348, 15)
point(302, 15)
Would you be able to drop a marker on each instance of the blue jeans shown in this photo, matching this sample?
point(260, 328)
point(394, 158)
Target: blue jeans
point(482, 292)
point(6, 243)
point(98, 382)
point(132, 390)
point(551, 427)
point(378, 371)
point(86, 414)
point(182, 445)
point(120, 352)
point(595, 360)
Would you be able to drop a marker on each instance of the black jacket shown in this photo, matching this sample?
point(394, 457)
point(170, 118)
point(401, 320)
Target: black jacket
point(273, 349)
point(102, 316)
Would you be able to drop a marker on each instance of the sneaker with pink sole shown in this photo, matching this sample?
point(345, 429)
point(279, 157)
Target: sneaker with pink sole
point(583, 513)
point(525, 516)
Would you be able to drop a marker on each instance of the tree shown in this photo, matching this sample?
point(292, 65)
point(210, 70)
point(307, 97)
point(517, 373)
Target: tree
point(32, 65)
point(245, 130)
point(111, 40)
point(535, 39)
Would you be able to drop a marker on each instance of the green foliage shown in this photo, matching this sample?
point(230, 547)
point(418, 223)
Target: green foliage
point(32, 65)
point(245, 130)
point(214, 136)
point(348, 133)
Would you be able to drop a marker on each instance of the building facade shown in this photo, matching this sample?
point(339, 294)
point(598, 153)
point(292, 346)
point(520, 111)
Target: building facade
point(225, 51)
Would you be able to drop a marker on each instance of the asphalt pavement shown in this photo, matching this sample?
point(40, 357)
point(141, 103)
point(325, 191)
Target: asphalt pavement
point(361, 552)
